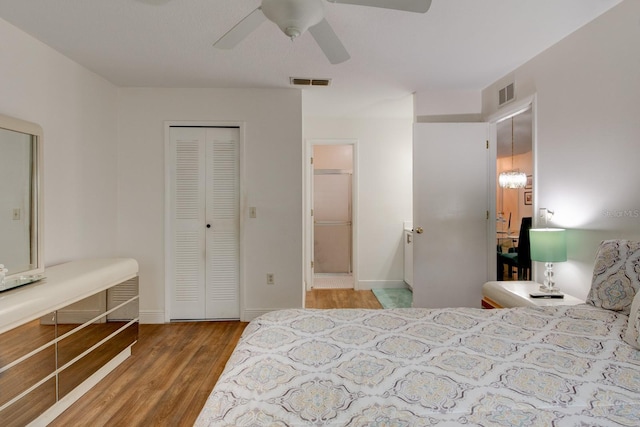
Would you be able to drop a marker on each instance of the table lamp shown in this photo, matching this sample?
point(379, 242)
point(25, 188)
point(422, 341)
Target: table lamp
point(548, 245)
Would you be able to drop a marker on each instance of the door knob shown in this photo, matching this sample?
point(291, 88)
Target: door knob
point(208, 225)
point(419, 230)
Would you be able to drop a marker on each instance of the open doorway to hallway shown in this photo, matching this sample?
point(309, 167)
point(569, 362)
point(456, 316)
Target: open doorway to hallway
point(514, 203)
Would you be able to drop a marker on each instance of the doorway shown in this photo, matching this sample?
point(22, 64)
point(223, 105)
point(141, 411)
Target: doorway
point(514, 206)
point(203, 222)
point(333, 216)
point(332, 228)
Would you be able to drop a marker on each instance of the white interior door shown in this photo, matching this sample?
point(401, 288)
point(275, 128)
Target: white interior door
point(205, 223)
point(450, 205)
point(223, 224)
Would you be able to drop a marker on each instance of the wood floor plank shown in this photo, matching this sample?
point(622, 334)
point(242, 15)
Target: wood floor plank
point(341, 298)
point(173, 368)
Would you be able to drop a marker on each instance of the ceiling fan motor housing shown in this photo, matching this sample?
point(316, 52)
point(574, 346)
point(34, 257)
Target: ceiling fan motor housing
point(294, 17)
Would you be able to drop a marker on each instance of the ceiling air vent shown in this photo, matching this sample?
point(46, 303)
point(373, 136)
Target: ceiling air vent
point(300, 81)
point(506, 94)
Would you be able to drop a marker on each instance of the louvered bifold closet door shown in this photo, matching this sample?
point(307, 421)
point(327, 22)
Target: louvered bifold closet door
point(188, 213)
point(222, 213)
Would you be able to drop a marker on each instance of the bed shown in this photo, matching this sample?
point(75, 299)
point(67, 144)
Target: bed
point(526, 366)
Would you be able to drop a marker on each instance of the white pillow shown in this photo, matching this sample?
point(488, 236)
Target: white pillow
point(616, 277)
point(632, 336)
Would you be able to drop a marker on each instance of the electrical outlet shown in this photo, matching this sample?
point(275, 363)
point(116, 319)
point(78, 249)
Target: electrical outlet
point(271, 280)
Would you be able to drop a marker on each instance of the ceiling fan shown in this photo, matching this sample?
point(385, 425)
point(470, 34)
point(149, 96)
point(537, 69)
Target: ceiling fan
point(294, 17)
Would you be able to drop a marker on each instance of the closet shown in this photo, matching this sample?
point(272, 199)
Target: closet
point(204, 223)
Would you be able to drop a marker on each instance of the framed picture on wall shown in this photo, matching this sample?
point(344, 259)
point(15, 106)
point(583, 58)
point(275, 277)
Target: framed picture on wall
point(529, 184)
point(528, 197)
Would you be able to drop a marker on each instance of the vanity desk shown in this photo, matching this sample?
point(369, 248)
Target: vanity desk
point(61, 335)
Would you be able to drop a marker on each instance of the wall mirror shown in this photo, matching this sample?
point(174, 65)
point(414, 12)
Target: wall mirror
point(21, 212)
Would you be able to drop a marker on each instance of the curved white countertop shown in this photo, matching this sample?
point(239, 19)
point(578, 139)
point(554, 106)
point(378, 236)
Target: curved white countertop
point(63, 284)
point(516, 294)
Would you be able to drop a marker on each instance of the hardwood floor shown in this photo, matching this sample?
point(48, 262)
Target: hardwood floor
point(173, 369)
point(165, 382)
point(341, 298)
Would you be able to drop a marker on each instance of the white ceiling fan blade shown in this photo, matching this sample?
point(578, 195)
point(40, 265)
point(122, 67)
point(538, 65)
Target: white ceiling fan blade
point(329, 42)
point(241, 30)
point(419, 6)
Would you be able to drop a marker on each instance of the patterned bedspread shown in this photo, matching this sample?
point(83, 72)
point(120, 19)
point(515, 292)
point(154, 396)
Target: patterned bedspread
point(564, 366)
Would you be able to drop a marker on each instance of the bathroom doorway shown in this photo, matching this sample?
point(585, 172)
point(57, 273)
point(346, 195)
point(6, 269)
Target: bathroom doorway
point(332, 197)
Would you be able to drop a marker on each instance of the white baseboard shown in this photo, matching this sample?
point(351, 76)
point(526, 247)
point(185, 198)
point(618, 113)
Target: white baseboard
point(366, 285)
point(151, 316)
point(157, 316)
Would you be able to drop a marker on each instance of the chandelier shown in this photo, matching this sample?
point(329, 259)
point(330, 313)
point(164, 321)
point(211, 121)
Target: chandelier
point(512, 178)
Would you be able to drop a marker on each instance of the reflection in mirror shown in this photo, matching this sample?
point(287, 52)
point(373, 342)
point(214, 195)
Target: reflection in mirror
point(83, 368)
point(35, 341)
point(20, 198)
point(94, 330)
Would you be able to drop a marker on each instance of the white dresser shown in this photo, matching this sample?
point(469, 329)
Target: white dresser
point(61, 335)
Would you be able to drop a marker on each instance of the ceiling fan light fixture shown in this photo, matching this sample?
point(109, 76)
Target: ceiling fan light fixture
point(292, 32)
point(294, 17)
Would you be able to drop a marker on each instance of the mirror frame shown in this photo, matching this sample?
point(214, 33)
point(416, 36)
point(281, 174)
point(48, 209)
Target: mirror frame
point(37, 192)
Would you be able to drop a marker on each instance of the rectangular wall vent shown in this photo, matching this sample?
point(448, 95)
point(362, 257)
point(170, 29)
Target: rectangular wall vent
point(300, 81)
point(506, 94)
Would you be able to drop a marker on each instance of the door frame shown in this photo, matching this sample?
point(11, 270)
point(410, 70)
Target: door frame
point(513, 109)
point(308, 203)
point(169, 164)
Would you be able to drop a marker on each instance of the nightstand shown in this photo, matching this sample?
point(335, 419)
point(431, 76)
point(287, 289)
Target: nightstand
point(516, 294)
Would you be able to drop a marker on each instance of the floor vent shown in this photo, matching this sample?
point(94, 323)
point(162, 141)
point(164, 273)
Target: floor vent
point(506, 94)
point(299, 81)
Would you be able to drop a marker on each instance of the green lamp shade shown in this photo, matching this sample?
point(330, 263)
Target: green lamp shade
point(548, 244)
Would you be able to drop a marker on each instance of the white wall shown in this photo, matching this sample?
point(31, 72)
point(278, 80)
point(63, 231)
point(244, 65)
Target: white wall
point(271, 179)
point(384, 189)
point(588, 133)
point(77, 110)
point(450, 105)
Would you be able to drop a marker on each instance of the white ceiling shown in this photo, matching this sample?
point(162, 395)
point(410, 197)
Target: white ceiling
point(457, 44)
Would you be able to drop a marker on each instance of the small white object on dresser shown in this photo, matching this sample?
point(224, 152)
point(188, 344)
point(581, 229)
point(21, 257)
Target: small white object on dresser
point(518, 294)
